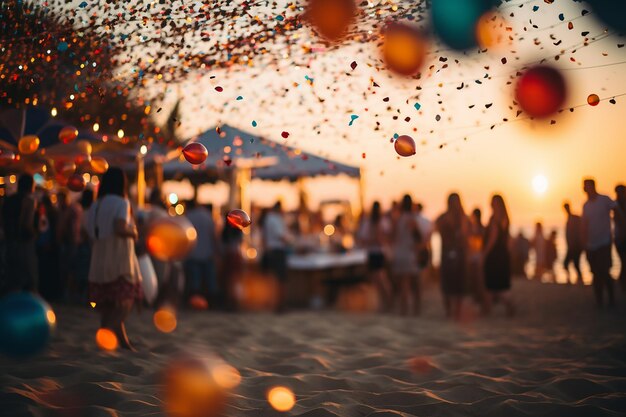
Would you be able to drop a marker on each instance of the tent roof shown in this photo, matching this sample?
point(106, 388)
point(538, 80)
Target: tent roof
point(270, 160)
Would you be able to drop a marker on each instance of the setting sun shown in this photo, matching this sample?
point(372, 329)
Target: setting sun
point(540, 184)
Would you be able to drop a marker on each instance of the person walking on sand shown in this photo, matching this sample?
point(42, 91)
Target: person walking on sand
point(620, 231)
point(598, 241)
point(18, 215)
point(475, 241)
point(374, 239)
point(573, 238)
point(496, 256)
point(540, 246)
point(453, 229)
point(114, 275)
point(404, 264)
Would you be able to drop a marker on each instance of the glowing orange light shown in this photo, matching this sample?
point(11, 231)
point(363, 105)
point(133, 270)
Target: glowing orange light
point(281, 398)
point(165, 320)
point(106, 339)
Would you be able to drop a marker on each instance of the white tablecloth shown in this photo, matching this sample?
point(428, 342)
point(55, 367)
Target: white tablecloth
point(319, 261)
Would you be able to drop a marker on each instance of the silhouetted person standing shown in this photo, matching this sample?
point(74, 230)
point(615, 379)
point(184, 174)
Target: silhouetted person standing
point(620, 231)
point(573, 237)
point(453, 229)
point(597, 240)
point(496, 255)
point(18, 215)
point(275, 242)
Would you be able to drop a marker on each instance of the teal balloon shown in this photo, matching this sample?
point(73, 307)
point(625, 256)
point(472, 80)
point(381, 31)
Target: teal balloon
point(26, 323)
point(454, 21)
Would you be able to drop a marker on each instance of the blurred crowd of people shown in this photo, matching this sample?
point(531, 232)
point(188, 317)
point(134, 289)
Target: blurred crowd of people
point(95, 249)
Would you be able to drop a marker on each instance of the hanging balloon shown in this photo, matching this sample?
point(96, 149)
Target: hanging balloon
point(238, 218)
point(76, 182)
point(593, 100)
point(171, 238)
point(26, 324)
point(455, 21)
point(404, 49)
point(611, 12)
point(68, 134)
point(404, 146)
point(331, 19)
point(82, 159)
point(541, 91)
point(99, 165)
point(491, 30)
point(28, 144)
point(84, 147)
point(195, 153)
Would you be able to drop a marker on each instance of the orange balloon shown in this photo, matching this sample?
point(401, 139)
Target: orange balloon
point(491, 30)
point(404, 49)
point(198, 302)
point(106, 339)
point(165, 320)
point(195, 153)
point(404, 146)
point(76, 182)
point(421, 365)
point(593, 100)
point(226, 376)
point(281, 398)
point(331, 19)
point(84, 147)
point(98, 165)
point(68, 134)
point(171, 238)
point(238, 218)
point(28, 144)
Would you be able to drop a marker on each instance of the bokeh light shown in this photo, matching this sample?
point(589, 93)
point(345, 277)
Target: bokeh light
point(76, 182)
point(281, 398)
point(106, 339)
point(171, 238)
point(165, 320)
point(198, 302)
point(256, 292)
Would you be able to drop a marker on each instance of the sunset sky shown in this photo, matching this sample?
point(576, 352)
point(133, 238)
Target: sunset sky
point(588, 142)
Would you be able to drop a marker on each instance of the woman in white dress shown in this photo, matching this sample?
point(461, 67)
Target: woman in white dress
point(404, 264)
point(114, 276)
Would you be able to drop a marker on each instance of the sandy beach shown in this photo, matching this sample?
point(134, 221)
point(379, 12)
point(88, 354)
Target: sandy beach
point(557, 357)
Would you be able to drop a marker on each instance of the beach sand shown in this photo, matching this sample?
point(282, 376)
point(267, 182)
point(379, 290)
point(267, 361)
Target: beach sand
point(558, 357)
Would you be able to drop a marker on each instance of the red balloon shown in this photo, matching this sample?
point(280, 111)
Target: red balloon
point(331, 18)
point(238, 218)
point(68, 134)
point(76, 182)
point(404, 145)
point(541, 91)
point(195, 153)
point(82, 158)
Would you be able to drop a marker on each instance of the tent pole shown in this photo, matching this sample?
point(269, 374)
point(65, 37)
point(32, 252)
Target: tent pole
point(158, 173)
point(141, 182)
point(361, 191)
point(243, 183)
point(232, 188)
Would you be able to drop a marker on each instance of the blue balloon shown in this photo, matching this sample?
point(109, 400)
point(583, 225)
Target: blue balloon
point(26, 324)
point(454, 21)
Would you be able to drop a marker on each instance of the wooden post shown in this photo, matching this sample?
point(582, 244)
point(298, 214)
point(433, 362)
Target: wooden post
point(141, 182)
